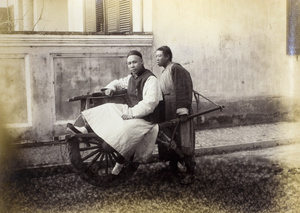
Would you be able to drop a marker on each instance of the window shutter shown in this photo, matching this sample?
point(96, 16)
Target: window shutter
point(99, 16)
point(293, 27)
point(90, 15)
point(112, 15)
point(125, 16)
point(118, 15)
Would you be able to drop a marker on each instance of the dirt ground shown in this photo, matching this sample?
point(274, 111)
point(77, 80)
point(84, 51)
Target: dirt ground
point(264, 180)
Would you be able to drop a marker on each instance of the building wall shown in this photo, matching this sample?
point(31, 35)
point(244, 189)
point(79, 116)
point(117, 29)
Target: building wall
point(235, 51)
point(232, 48)
point(40, 72)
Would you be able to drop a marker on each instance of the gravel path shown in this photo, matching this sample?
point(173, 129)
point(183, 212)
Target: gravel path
point(265, 180)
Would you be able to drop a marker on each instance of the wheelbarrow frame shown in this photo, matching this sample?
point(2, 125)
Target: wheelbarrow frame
point(92, 158)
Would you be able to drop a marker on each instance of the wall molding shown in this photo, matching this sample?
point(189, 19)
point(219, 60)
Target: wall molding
point(28, 92)
point(54, 56)
point(38, 40)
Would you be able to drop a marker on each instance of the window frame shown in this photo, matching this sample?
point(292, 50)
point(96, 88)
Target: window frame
point(101, 27)
point(293, 28)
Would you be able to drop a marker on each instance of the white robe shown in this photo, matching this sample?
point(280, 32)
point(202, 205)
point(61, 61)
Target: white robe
point(128, 136)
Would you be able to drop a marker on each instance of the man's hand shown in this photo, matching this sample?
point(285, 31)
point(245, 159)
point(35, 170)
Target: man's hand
point(126, 117)
point(183, 114)
point(109, 92)
point(127, 114)
point(183, 118)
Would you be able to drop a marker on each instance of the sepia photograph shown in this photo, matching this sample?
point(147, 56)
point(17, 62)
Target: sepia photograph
point(166, 106)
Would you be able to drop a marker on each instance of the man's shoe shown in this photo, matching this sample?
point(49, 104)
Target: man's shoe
point(173, 167)
point(117, 168)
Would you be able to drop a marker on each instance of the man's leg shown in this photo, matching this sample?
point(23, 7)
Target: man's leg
point(119, 165)
point(173, 165)
point(80, 126)
point(190, 170)
point(120, 160)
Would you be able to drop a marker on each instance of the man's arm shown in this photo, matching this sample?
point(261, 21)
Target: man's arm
point(115, 85)
point(183, 88)
point(151, 97)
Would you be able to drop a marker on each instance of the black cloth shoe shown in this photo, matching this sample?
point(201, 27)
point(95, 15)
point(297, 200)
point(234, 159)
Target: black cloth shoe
point(173, 166)
point(72, 128)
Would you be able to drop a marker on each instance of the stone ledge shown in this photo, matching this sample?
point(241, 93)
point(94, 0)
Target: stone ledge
point(67, 40)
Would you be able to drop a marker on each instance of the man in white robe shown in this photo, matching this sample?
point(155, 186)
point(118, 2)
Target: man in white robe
point(129, 128)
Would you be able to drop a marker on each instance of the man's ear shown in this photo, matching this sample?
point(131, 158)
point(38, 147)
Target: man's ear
point(168, 57)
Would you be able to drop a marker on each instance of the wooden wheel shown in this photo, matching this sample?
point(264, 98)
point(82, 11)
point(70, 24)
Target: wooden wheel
point(93, 159)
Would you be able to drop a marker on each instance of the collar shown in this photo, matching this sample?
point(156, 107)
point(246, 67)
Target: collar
point(135, 76)
point(168, 66)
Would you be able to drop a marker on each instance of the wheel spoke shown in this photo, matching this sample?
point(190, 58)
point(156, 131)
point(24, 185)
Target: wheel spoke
point(100, 162)
point(90, 155)
point(94, 160)
point(106, 168)
point(110, 159)
point(91, 142)
point(114, 156)
point(89, 148)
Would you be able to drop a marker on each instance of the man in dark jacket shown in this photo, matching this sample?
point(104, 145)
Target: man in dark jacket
point(130, 128)
point(177, 87)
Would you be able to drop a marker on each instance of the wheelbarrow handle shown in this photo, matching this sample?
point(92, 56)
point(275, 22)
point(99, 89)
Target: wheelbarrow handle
point(206, 111)
point(97, 94)
point(173, 122)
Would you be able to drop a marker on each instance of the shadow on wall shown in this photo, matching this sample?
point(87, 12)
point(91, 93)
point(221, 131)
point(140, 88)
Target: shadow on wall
point(242, 112)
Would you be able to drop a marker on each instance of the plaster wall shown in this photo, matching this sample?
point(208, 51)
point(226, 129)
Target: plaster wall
point(51, 15)
point(39, 73)
point(233, 49)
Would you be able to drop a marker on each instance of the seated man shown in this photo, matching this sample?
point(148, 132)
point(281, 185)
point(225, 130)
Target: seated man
point(129, 129)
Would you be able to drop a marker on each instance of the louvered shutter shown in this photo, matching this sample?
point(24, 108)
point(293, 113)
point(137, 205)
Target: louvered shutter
point(118, 15)
point(99, 16)
point(125, 16)
point(293, 27)
point(112, 15)
point(90, 16)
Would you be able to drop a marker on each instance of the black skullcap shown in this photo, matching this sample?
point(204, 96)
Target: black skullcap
point(135, 52)
point(166, 51)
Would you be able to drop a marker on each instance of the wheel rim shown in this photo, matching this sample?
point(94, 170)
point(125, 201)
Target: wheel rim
point(93, 159)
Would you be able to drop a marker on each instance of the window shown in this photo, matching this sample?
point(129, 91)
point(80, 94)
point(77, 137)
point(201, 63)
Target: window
point(92, 16)
point(293, 27)
point(6, 14)
point(118, 16)
point(109, 16)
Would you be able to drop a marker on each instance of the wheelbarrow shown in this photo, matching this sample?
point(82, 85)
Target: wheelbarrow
point(93, 159)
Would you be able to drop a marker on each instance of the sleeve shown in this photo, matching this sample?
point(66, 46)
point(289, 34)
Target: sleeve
point(183, 87)
point(119, 84)
point(152, 95)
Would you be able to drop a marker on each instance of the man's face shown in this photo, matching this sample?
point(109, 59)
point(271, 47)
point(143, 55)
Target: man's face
point(161, 60)
point(134, 63)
